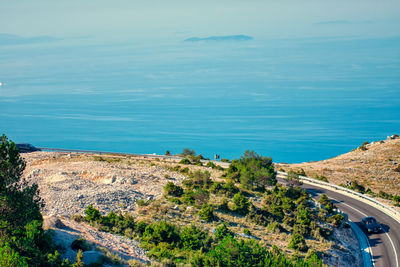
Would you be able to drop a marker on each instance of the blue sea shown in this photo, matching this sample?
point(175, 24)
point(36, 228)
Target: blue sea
point(295, 100)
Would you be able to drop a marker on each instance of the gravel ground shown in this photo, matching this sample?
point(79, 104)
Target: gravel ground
point(68, 183)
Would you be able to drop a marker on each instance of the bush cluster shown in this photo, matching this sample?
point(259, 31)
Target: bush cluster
point(171, 189)
point(212, 165)
point(252, 171)
point(292, 206)
point(394, 198)
point(321, 178)
point(241, 204)
point(23, 242)
point(114, 223)
point(173, 245)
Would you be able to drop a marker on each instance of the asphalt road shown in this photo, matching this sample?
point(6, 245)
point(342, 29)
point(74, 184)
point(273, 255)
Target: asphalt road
point(386, 245)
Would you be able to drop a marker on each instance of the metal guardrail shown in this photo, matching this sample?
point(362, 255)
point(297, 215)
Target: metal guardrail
point(386, 209)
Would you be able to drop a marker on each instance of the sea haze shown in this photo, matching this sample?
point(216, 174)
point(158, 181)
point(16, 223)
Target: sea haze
point(293, 99)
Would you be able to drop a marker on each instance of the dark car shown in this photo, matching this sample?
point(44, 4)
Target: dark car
point(26, 148)
point(370, 225)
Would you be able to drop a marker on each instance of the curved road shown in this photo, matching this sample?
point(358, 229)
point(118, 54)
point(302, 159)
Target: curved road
point(386, 245)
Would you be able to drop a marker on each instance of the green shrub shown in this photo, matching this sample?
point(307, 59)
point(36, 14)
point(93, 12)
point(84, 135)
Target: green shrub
point(193, 238)
point(232, 252)
point(302, 229)
point(336, 220)
point(163, 251)
point(247, 232)
point(92, 214)
point(9, 257)
point(241, 204)
point(328, 205)
point(171, 189)
point(184, 170)
point(140, 227)
point(185, 161)
point(188, 197)
point(54, 259)
point(210, 164)
point(176, 168)
point(175, 200)
point(207, 213)
point(323, 199)
point(396, 199)
point(312, 258)
point(196, 159)
point(258, 217)
point(252, 171)
point(274, 227)
point(23, 241)
point(200, 197)
point(201, 179)
point(142, 202)
point(136, 263)
point(80, 244)
point(230, 188)
point(222, 231)
point(225, 160)
point(79, 259)
point(188, 152)
point(384, 195)
point(321, 178)
point(363, 147)
point(223, 206)
point(160, 232)
point(217, 188)
point(357, 187)
point(77, 218)
point(297, 242)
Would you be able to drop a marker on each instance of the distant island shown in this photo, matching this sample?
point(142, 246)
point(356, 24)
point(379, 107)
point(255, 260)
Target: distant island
point(220, 38)
point(11, 39)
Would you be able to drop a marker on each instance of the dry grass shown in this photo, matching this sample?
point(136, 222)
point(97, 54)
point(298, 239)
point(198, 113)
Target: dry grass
point(375, 167)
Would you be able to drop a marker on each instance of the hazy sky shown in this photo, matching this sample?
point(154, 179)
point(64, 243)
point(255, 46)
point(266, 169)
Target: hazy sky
point(174, 20)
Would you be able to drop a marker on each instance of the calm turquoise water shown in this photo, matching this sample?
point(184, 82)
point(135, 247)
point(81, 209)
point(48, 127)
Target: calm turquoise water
point(295, 100)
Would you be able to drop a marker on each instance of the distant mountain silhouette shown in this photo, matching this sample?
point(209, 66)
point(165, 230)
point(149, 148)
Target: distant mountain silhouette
point(11, 39)
point(220, 38)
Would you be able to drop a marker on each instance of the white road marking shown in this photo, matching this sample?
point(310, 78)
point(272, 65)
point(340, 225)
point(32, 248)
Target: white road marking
point(394, 249)
point(390, 239)
point(368, 249)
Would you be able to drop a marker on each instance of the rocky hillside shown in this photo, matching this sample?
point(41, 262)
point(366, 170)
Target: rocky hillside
point(375, 165)
point(69, 183)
